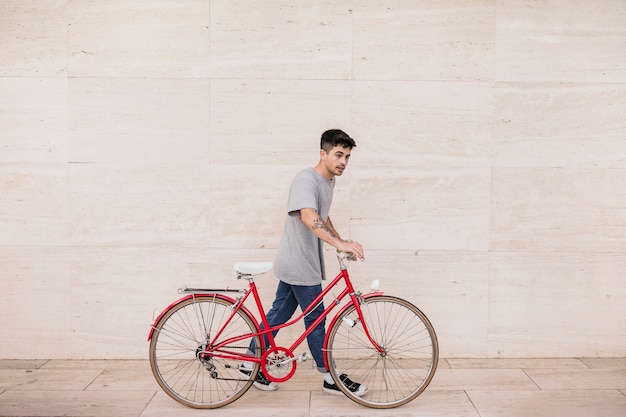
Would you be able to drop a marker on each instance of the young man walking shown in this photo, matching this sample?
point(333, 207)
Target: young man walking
point(299, 264)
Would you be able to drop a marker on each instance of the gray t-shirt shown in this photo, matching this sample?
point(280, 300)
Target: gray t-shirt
point(300, 259)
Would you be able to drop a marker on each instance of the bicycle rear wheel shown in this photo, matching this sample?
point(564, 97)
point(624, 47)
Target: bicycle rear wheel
point(178, 352)
point(409, 361)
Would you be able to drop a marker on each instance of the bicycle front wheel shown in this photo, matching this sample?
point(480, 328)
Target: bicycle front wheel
point(180, 358)
point(404, 368)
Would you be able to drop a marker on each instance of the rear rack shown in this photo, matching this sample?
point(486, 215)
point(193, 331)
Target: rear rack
point(187, 290)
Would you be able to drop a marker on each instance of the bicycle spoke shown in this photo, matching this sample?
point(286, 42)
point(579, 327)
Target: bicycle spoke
point(408, 362)
point(183, 363)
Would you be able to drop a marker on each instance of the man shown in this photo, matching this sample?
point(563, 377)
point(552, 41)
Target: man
point(299, 264)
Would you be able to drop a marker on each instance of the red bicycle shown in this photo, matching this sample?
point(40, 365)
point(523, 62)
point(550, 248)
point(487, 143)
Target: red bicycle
point(198, 343)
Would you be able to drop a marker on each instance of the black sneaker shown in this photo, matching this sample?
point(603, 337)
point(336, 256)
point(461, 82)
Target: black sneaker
point(261, 381)
point(354, 387)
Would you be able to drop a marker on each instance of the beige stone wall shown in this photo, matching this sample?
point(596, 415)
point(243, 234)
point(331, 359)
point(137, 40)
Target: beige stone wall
point(145, 145)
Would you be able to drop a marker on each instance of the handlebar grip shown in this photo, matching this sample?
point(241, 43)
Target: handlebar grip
point(346, 255)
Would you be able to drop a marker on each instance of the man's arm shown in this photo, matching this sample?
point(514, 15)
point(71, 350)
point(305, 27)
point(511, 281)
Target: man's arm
point(326, 231)
point(332, 228)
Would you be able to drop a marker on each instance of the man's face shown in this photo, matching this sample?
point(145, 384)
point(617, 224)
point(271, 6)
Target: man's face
point(336, 160)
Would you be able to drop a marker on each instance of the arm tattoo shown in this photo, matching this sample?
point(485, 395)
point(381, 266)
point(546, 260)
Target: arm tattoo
point(319, 223)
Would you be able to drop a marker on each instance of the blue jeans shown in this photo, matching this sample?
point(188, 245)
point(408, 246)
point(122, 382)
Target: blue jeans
point(287, 299)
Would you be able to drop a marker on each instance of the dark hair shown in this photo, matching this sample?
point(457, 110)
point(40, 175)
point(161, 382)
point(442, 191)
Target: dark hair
point(336, 137)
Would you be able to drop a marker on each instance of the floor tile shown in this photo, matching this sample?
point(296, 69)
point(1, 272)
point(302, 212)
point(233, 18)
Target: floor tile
point(73, 403)
point(589, 379)
point(443, 364)
point(124, 379)
point(516, 363)
point(549, 403)
point(22, 363)
point(496, 379)
point(429, 404)
point(600, 363)
point(589, 387)
point(97, 364)
point(303, 380)
point(254, 403)
point(46, 379)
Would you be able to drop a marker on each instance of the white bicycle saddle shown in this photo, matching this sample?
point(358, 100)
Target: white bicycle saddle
point(252, 268)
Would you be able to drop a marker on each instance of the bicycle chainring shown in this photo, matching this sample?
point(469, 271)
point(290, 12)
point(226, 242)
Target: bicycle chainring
point(278, 364)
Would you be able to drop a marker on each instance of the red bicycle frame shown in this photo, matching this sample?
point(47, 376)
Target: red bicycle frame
point(220, 349)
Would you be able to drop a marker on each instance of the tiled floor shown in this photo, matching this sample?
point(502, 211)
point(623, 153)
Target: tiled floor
point(461, 388)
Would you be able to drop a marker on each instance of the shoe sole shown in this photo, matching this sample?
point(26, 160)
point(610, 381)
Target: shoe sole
point(260, 386)
point(264, 387)
point(338, 392)
point(332, 391)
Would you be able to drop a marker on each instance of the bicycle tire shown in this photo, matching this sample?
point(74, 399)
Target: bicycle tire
point(411, 351)
point(183, 371)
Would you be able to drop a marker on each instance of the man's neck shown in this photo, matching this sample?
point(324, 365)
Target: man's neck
point(321, 169)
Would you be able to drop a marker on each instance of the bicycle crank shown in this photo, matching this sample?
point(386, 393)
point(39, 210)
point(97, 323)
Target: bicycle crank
point(300, 358)
point(279, 364)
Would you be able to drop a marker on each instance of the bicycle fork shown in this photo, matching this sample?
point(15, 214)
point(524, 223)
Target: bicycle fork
point(358, 300)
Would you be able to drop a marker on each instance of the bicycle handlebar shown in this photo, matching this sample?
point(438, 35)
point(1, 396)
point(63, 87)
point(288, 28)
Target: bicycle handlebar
point(346, 255)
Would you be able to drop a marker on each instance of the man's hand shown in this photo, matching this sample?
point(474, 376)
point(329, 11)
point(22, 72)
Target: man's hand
point(353, 247)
